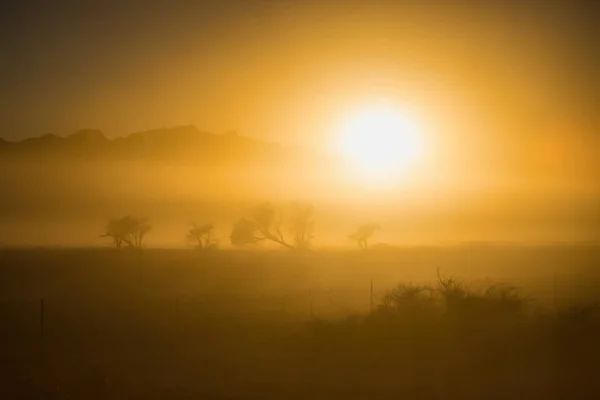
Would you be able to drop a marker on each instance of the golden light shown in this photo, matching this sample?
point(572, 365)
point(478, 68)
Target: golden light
point(380, 142)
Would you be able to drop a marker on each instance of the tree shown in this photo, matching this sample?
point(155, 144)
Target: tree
point(244, 233)
point(127, 231)
point(302, 222)
point(202, 235)
point(265, 224)
point(363, 233)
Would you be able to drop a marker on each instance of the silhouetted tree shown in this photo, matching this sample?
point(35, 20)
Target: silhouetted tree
point(302, 225)
point(127, 231)
point(363, 233)
point(244, 233)
point(202, 235)
point(265, 224)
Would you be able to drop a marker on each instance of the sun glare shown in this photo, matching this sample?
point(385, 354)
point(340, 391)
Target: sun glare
point(380, 142)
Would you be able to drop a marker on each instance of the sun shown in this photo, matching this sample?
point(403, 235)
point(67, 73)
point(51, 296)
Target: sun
point(380, 142)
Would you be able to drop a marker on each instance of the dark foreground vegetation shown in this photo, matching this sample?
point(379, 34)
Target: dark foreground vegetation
point(240, 325)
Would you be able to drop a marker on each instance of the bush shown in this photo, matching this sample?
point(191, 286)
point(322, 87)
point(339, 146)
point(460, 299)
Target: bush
point(450, 298)
point(472, 342)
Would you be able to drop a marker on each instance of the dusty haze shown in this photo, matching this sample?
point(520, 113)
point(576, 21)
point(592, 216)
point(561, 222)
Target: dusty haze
point(62, 191)
point(505, 95)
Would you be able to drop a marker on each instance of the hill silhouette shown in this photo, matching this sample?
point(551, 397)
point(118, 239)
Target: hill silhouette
point(181, 144)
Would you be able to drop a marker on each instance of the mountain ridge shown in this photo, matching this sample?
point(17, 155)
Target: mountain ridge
point(183, 143)
point(98, 135)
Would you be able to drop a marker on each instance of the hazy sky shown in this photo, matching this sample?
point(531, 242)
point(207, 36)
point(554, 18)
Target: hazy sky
point(288, 70)
point(506, 94)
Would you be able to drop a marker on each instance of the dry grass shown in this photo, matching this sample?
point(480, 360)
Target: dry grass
point(186, 324)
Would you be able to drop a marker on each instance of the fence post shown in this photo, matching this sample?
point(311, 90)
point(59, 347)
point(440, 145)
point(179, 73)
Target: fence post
point(371, 302)
point(42, 318)
point(554, 293)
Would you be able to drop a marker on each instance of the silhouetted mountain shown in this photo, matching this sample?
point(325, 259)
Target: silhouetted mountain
point(182, 144)
point(89, 137)
point(47, 140)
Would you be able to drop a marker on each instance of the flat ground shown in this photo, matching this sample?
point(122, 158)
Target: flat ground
point(270, 324)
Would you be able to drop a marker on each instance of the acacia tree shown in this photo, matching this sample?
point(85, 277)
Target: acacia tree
point(264, 223)
point(202, 235)
point(302, 225)
point(127, 231)
point(243, 233)
point(363, 233)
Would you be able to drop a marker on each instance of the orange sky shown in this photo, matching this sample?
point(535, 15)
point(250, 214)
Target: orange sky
point(287, 70)
point(506, 93)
